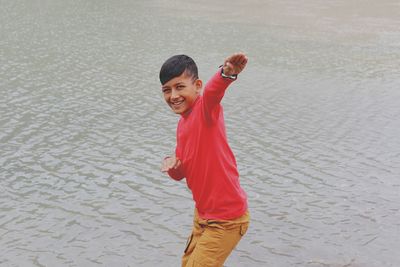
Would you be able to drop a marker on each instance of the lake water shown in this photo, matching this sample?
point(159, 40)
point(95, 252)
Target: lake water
point(314, 122)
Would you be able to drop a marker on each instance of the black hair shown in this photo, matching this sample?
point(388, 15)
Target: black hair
point(175, 66)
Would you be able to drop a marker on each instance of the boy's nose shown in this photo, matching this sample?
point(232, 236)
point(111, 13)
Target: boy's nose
point(174, 94)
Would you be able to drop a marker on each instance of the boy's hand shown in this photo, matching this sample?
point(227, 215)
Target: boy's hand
point(170, 163)
point(235, 63)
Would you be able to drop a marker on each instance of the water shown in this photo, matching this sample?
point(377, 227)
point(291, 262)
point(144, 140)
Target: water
point(313, 120)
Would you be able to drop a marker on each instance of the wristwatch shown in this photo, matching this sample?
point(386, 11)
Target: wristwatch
point(232, 77)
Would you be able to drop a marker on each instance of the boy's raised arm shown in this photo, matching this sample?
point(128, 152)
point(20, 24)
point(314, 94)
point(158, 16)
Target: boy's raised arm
point(215, 88)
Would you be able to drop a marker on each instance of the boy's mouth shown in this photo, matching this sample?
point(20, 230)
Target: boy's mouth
point(176, 104)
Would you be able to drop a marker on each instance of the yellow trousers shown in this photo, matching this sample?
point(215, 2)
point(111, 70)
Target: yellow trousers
point(212, 241)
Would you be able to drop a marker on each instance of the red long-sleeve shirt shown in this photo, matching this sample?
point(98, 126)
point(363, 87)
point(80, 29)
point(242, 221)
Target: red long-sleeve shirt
point(207, 160)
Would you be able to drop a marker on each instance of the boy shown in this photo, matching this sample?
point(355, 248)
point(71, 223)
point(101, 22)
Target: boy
point(204, 158)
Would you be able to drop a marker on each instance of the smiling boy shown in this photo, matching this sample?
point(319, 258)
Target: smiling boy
point(204, 157)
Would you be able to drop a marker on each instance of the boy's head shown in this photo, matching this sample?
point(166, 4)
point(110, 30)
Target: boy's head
point(175, 66)
point(180, 83)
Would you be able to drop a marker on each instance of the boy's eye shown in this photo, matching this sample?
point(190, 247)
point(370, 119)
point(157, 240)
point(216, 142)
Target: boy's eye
point(166, 90)
point(180, 87)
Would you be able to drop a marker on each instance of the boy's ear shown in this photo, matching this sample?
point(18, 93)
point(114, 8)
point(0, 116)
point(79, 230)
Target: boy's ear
point(199, 84)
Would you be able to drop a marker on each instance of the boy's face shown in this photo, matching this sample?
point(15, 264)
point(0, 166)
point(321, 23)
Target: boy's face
point(181, 92)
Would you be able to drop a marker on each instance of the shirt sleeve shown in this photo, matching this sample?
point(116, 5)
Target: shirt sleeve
point(213, 93)
point(176, 174)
